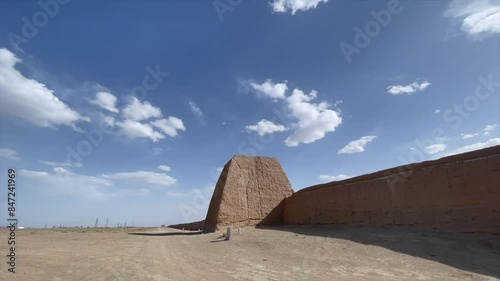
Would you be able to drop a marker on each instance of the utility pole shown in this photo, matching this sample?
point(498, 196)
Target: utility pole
point(96, 222)
point(107, 223)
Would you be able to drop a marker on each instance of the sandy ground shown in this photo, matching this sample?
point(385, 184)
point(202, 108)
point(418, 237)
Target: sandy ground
point(281, 253)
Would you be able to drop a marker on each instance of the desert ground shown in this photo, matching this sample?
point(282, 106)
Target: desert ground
point(279, 253)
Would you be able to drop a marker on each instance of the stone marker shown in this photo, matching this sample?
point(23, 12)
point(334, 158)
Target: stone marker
point(228, 233)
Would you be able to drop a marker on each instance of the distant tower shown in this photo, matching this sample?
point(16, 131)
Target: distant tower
point(96, 223)
point(107, 220)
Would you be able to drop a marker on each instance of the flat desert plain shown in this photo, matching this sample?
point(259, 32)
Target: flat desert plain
point(279, 253)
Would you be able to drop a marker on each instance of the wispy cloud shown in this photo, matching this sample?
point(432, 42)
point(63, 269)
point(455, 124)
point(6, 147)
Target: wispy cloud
point(105, 100)
point(65, 181)
point(340, 177)
point(476, 146)
point(408, 89)
point(478, 19)
point(356, 146)
point(489, 129)
point(292, 6)
point(469, 136)
point(195, 109)
point(159, 179)
point(62, 164)
point(164, 168)
point(9, 154)
point(435, 148)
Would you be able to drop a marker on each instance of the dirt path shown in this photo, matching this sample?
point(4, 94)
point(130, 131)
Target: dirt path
point(286, 253)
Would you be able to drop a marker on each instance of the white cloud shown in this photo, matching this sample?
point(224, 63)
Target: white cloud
point(264, 127)
point(220, 169)
point(356, 146)
point(164, 168)
point(106, 101)
point(62, 164)
point(333, 178)
point(435, 148)
point(271, 90)
point(135, 129)
point(31, 100)
point(478, 19)
point(169, 126)
point(109, 121)
point(138, 111)
point(469, 136)
point(292, 6)
point(143, 177)
point(437, 111)
point(490, 128)
point(476, 146)
point(65, 181)
point(134, 122)
point(309, 121)
point(9, 154)
point(156, 151)
point(195, 109)
point(408, 89)
point(315, 120)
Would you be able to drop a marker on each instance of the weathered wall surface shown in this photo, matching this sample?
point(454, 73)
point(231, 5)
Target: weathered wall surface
point(249, 192)
point(460, 192)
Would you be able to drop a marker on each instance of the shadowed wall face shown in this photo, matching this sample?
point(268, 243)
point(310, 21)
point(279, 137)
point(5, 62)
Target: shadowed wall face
point(248, 189)
point(456, 193)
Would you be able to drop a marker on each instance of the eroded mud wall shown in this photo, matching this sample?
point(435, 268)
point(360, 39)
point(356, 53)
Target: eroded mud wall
point(248, 192)
point(459, 193)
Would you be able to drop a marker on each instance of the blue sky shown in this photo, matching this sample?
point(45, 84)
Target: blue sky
point(127, 110)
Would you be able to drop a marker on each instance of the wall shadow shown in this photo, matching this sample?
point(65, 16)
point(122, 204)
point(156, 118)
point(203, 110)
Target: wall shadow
point(473, 252)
